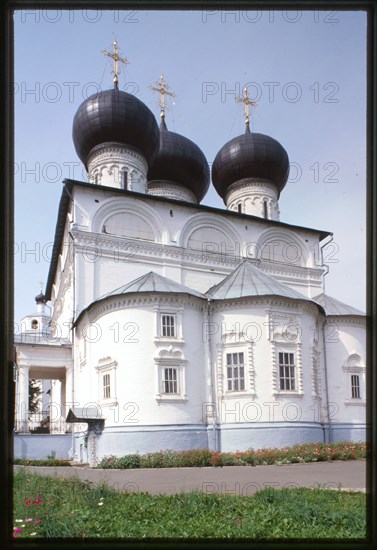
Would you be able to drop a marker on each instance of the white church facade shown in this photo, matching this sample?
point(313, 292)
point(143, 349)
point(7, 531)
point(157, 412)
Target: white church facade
point(176, 325)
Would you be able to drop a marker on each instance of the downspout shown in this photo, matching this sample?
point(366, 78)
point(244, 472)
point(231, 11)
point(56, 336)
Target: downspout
point(324, 348)
point(73, 335)
point(73, 316)
point(212, 375)
point(326, 378)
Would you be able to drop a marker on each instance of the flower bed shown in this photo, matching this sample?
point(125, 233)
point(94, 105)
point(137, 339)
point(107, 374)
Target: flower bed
point(307, 452)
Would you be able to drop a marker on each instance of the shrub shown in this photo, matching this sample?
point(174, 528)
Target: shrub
point(305, 452)
point(129, 461)
point(107, 462)
point(46, 462)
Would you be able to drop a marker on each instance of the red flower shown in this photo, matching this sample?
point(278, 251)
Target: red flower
point(27, 502)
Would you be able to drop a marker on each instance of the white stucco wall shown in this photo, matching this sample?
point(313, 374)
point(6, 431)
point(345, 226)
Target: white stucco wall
point(193, 247)
point(128, 336)
point(345, 339)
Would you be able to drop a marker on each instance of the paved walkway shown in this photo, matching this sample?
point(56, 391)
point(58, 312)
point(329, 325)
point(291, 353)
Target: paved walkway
point(237, 480)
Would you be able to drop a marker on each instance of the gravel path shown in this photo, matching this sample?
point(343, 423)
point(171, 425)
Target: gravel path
point(237, 480)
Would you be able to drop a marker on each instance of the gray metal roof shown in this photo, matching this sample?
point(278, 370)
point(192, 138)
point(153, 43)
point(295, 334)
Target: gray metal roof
point(332, 306)
point(248, 280)
point(151, 282)
point(83, 414)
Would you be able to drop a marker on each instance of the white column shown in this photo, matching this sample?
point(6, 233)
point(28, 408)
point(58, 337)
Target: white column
point(68, 388)
point(63, 400)
point(23, 398)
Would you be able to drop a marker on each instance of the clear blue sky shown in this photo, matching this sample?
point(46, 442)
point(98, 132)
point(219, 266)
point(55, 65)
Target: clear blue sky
point(307, 72)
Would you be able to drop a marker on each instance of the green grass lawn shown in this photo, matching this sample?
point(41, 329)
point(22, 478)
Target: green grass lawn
point(53, 507)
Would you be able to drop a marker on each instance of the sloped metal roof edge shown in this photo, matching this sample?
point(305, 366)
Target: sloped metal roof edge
point(64, 203)
point(137, 293)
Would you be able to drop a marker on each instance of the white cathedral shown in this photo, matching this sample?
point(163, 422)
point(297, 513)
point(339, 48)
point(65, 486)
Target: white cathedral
point(175, 325)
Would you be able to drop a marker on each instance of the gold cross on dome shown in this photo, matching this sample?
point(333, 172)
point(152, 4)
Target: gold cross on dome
point(163, 88)
point(116, 57)
point(246, 101)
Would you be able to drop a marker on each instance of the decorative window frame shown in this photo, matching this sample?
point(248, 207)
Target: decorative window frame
point(237, 365)
point(107, 365)
point(316, 374)
point(276, 322)
point(348, 371)
point(296, 350)
point(82, 350)
point(177, 313)
point(171, 358)
point(222, 379)
point(174, 326)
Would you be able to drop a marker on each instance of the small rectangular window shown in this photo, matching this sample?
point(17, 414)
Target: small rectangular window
point(287, 371)
point(106, 386)
point(125, 179)
point(235, 371)
point(168, 326)
point(355, 386)
point(169, 382)
point(265, 213)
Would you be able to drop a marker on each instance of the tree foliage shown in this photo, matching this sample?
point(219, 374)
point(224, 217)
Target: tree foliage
point(34, 395)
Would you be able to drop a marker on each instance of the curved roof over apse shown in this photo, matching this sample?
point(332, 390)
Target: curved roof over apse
point(248, 280)
point(152, 282)
point(149, 283)
point(335, 307)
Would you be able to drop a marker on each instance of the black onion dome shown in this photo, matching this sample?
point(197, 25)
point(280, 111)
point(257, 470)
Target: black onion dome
point(180, 161)
point(114, 116)
point(250, 156)
point(41, 298)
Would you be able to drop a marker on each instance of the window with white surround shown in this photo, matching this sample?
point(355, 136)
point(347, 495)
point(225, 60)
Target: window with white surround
point(170, 380)
point(171, 374)
point(124, 179)
point(354, 372)
point(169, 322)
point(106, 370)
point(355, 386)
point(168, 326)
point(106, 386)
point(287, 374)
point(235, 371)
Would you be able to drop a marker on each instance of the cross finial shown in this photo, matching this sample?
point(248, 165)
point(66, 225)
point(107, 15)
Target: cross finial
point(163, 88)
point(41, 285)
point(114, 55)
point(246, 101)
